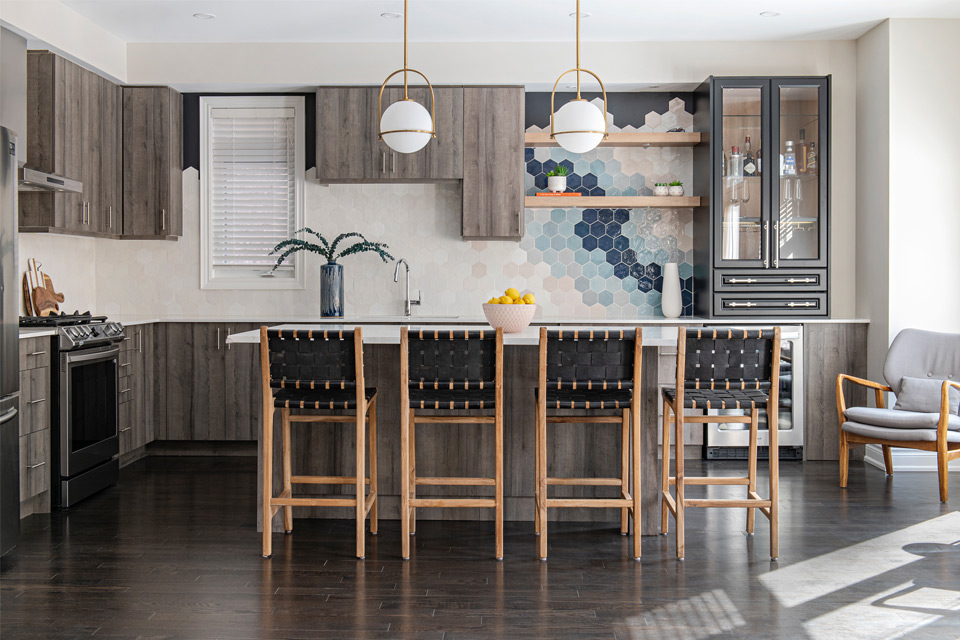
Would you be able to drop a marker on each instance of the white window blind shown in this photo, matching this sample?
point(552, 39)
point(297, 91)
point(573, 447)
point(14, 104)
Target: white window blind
point(253, 164)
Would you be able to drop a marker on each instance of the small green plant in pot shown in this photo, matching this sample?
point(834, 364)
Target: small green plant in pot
point(331, 274)
point(676, 188)
point(661, 189)
point(557, 179)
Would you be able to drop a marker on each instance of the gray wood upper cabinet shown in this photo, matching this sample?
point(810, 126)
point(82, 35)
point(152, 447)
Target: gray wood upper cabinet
point(348, 149)
point(493, 168)
point(110, 211)
point(152, 162)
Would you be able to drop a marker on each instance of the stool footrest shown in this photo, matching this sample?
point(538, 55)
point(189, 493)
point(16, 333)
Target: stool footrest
point(453, 502)
point(710, 480)
point(457, 482)
point(314, 502)
point(587, 419)
point(326, 480)
point(596, 503)
point(587, 482)
point(415, 419)
point(735, 503)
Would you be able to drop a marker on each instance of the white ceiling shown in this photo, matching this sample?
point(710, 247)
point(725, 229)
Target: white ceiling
point(498, 20)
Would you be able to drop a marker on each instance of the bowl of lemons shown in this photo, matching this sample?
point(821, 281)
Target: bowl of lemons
point(512, 311)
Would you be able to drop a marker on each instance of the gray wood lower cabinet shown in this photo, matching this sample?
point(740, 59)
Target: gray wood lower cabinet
point(35, 410)
point(136, 389)
point(205, 390)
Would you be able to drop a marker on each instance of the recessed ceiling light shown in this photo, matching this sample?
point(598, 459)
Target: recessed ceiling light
point(769, 14)
point(583, 14)
point(204, 16)
point(390, 14)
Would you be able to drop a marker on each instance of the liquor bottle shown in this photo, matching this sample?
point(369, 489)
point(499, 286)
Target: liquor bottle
point(802, 149)
point(812, 159)
point(736, 163)
point(759, 161)
point(749, 165)
point(788, 164)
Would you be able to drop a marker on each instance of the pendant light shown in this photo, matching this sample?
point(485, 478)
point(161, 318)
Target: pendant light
point(406, 126)
point(579, 126)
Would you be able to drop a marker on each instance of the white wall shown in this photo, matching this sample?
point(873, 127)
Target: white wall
point(71, 263)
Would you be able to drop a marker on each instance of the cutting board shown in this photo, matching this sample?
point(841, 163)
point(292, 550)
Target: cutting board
point(28, 297)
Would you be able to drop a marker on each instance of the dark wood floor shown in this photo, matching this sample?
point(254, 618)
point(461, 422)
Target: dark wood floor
point(172, 552)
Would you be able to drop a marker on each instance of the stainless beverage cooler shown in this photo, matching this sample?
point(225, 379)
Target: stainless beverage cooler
point(729, 441)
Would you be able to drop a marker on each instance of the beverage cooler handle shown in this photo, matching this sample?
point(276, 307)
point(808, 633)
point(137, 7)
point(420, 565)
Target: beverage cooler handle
point(776, 245)
point(766, 246)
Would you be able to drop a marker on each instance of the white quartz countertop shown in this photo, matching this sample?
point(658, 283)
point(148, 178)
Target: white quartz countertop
point(390, 334)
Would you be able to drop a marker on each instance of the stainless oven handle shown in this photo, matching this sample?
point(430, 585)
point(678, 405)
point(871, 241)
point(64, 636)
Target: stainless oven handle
point(10, 414)
point(106, 354)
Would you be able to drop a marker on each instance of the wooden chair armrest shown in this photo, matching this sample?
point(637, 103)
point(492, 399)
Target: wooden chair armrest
point(842, 401)
point(870, 384)
point(945, 409)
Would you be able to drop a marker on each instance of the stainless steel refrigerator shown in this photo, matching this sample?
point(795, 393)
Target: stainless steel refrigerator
point(9, 346)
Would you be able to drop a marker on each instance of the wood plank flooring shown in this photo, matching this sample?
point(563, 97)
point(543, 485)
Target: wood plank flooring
point(173, 552)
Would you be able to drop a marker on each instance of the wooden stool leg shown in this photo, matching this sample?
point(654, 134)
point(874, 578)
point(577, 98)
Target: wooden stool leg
point(773, 427)
point(287, 471)
point(536, 471)
point(498, 475)
point(752, 466)
point(637, 486)
point(405, 482)
point(361, 512)
point(625, 470)
point(665, 469)
point(267, 463)
point(413, 472)
point(542, 484)
point(372, 417)
point(678, 454)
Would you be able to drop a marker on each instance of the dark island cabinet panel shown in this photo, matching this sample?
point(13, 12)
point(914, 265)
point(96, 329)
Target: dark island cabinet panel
point(152, 162)
point(493, 193)
point(242, 388)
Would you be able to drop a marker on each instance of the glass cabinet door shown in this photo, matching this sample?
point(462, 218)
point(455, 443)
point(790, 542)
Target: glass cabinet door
point(742, 241)
point(799, 189)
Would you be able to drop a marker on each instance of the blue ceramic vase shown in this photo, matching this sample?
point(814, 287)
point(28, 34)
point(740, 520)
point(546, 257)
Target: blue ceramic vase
point(331, 290)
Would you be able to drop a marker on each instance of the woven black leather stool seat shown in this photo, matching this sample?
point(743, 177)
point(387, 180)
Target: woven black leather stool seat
point(720, 398)
point(319, 398)
point(584, 398)
point(453, 398)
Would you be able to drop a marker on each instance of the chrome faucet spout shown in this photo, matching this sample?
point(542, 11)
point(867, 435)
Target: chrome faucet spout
point(396, 272)
point(407, 302)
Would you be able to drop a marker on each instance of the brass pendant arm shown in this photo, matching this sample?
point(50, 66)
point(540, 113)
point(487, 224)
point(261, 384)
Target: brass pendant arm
point(553, 94)
point(433, 103)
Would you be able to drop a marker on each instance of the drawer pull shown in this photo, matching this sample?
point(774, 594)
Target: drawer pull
point(801, 280)
point(37, 401)
point(801, 304)
point(37, 353)
point(125, 365)
point(742, 280)
point(36, 466)
point(741, 304)
point(124, 390)
point(127, 429)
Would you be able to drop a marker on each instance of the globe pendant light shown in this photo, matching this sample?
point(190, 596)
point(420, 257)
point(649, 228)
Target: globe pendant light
point(579, 126)
point(406, 126)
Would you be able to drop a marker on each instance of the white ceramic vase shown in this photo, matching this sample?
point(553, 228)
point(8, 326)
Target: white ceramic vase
point(671, 301)
point(556, 184)
point(677, 190)
point(661, 190)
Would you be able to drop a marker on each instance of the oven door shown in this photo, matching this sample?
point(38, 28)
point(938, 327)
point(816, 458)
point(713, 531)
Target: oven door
point(88, 408)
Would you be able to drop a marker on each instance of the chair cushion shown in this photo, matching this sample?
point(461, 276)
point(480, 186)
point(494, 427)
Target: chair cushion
point(883, 433)
point(720, 398)
point(453, 399)
point(897, 419)
point(923, 394)
point(319, 399)
point(584, 398)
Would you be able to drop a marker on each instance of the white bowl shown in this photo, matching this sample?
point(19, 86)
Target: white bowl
point(512, 318)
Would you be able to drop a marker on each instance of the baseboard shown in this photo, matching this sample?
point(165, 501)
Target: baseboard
point(132, 456)
point(37, 504)
point(202, 448)
point(906, 459)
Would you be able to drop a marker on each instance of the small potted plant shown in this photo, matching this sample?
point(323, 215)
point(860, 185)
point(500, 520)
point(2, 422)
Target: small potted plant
point(661, 189)
point(676, 188)
point(557, 179)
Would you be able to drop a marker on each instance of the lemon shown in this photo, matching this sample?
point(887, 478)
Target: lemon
point(493, 301)
point(506, 300)
point(529, 299)
point(512, 293)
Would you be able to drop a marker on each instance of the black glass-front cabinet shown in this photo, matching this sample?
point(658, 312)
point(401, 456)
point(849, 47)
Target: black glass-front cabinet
point(761, 233)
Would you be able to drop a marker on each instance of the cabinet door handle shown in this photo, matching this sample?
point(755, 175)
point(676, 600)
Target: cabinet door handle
point(227, 342)
point(110, 217)
point(36, 466)
point(125, 365)
point(766, 247)
point(163, 219)
point(38, 400)
point(218, 338)
point(776, 245)
point(139, 341)
point(37, 353)
point(393, 163)
point(125, 430)
point(124, 390)
point(383, 162)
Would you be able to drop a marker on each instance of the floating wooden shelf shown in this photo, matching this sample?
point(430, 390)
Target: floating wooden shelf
point(610, 202)
point(625, 139)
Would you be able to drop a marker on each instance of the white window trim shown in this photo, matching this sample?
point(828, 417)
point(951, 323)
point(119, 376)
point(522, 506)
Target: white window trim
point(207, 279)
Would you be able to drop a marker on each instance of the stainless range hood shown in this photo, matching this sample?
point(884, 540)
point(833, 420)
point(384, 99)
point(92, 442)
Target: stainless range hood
point(34, 180)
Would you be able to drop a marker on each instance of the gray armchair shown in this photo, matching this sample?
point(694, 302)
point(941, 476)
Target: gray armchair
point(923, 369)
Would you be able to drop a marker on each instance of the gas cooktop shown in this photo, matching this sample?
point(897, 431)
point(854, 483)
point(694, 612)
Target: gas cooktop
point(61, 320)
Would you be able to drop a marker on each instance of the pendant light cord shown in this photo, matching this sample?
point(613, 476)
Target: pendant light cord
point(405, 4)
point(578, 49)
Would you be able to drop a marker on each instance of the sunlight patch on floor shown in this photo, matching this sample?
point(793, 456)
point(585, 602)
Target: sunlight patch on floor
point(695, 618)
point(864, 620)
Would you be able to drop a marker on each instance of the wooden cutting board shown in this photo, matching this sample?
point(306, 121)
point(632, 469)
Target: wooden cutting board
point(27, 297)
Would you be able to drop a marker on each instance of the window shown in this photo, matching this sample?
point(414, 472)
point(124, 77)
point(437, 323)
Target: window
point(251, 190)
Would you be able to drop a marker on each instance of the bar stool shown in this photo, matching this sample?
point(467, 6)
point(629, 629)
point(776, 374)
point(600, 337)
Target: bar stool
point(596, 370)
point(722, 368)
point(449, 370)
point(317, 371)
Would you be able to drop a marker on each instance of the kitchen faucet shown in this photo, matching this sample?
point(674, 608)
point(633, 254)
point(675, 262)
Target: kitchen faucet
point(407, 302)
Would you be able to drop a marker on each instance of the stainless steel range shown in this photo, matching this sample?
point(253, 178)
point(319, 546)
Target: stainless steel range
point(84, 421)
